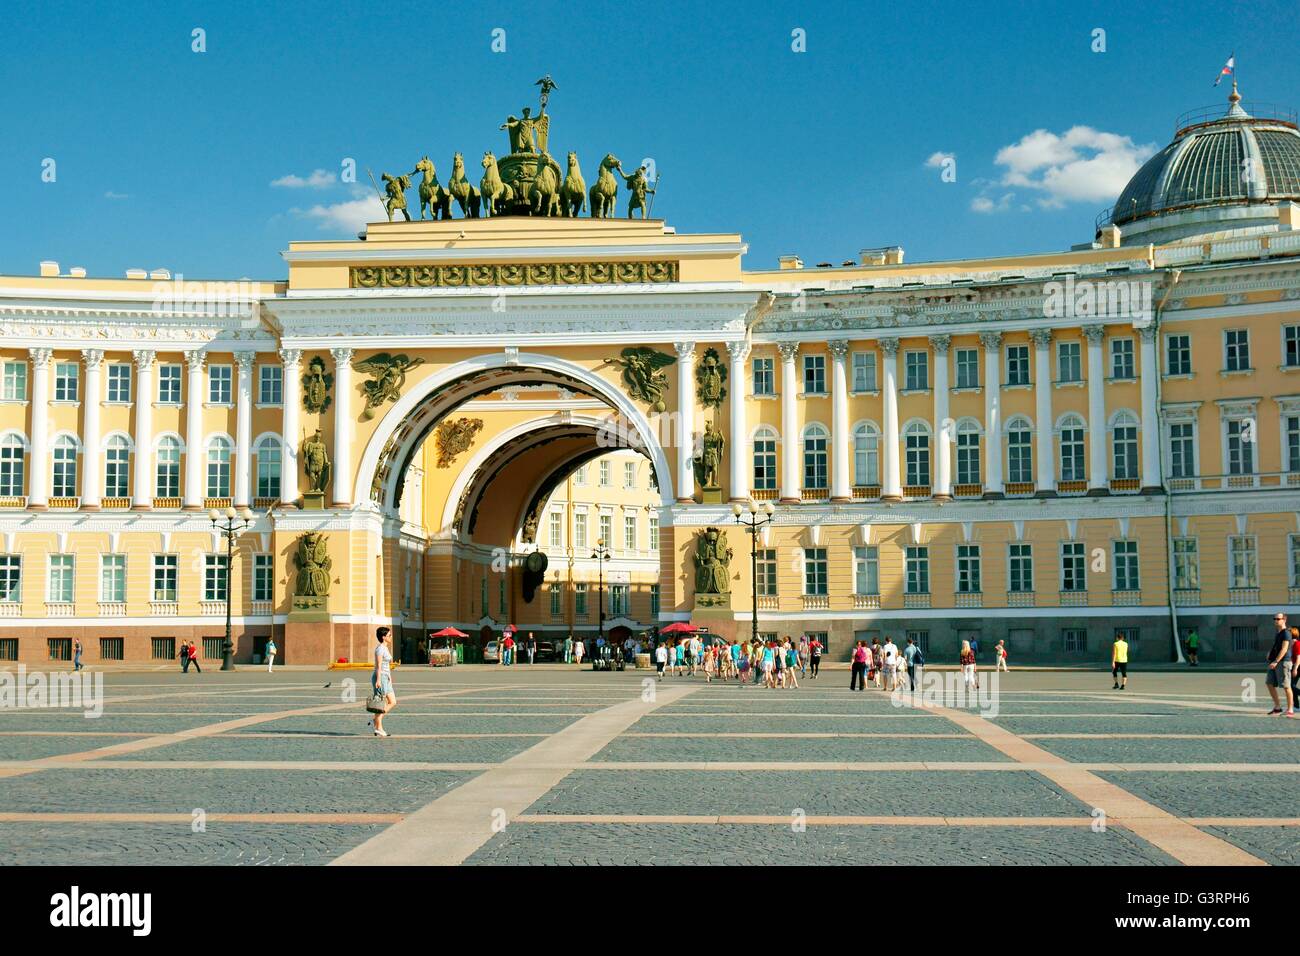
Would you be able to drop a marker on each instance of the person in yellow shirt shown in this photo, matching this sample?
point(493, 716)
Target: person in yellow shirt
point(1119, 662)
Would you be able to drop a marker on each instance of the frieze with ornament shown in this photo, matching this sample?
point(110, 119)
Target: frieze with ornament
point(513, 274)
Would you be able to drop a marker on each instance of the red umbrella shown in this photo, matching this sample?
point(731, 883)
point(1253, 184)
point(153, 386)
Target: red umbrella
point(449, 632)
point(679, 627)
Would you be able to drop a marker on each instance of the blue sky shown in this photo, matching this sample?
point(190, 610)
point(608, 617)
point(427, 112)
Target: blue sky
point(166, 157)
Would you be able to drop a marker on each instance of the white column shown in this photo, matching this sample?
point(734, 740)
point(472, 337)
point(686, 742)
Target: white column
point(1044, 460)
point(1150, 415)
point(142, 500)
point(790, 487)
point(195, 453)
point(342, 465)
point(943, 424)
point(685, 420)
point(244, 429)
point(891, 483)
point(38, 487)
point(841, 437)
point(992, 342)
point(1097, 483)
point(740, 454)
point(292, 359)
point(91, 494)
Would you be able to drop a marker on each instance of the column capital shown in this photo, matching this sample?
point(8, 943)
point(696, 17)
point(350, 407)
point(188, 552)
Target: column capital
point(292, 358)
point(245, 360)
point(685, 350)
point(41, 357)
point(94, 358)
point(940, 343)
point(1094, 333)
point(195, 359)
point(1148, 332)
point(839, 347)
point(991, 340)
point(342, 357)
point(788, 350)
point(889, 346)
point(739, 350)
point(144, 359)
point(1042, 337)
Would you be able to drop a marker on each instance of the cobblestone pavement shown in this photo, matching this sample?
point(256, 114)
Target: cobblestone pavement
point(247, 768)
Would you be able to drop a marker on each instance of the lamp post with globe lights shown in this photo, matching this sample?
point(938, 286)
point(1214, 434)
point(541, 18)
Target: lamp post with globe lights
point(753, 518)
point(601, 554)
point(231, 524)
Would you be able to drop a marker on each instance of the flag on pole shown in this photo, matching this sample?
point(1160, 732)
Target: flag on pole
point(1227, 69)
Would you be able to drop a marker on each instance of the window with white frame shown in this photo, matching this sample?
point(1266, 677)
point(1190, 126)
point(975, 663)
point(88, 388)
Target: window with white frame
point(814, 457)
point(866, 570)
point(580, 529)
point(654, 532)
point(557, 600)
point(604, 474)
point(269, 459)
point(264, 576)
point(64, 483)
point(119, 383)
point(218, 484)
point(13, 385)
point(629, 532)
point(112, 578)
point(629, 474)
point(62, 579)
point(1020, 567)
point(917, 370)
point(117, 467)
point(764, 376)
point(814, 571)
point(764, 460)
point(1178, 354)
point(766, 572)
point(1017, 365)
point(606, 539)
point(12, 466)
point(1291, 437)
point(1069, 363)
point(1187, 564)
point(917, 444)
point(169, 384)
point(1125, 558)
point(654, 600)
point(220, 384)
point(270, 385)
point(1243, 562)
point(866, 455)
point(1240, 433)
point(215, 577)
point(168, 484)
point(1291, 346)
point(165, 573)
point(1071, 444)
point(1072, 567)
point(1124, 446)
point(11, 578)
point(618, 600)
point(1182, 450)
point(916, 562)
point(1293, 561)
point(967, 364)
point(580, 600)
point(67, 378)
point(968, 452)
point(814, 374)
point(1236, 350)
point(555, 523)
point(864, 372)
point(968, 569)
point(1020, 456)
point(1122, 364)
point(580, 476)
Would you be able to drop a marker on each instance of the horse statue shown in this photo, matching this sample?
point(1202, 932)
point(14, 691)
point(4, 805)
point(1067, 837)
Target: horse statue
point(544, 194)
point(605, 191)
point(462, 190)
point(496, 194)
point(573, 191)
point(432, 196)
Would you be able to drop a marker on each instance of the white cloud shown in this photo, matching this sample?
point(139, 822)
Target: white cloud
point(319, 179)
point(349, 215)
point(1080, 165)
point(938, 159)
point(987, 204)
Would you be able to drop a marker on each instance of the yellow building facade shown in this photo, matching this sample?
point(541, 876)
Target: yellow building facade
point(1041, 449)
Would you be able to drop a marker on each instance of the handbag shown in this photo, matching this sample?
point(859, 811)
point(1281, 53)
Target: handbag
point(377, 704)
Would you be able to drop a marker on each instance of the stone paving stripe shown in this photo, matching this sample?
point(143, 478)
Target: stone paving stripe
point(794, 734)
point(276, 766)
point(784, 821)
point(1240, 709)
point(451, 828)
point(187, 818)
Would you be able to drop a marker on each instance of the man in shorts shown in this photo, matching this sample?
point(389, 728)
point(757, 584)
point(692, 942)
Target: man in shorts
point(1279, 669)
point(1119, 661)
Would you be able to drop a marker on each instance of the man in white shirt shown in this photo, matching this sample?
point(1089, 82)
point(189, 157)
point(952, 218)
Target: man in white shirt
point(661, 658)
point(890, 652)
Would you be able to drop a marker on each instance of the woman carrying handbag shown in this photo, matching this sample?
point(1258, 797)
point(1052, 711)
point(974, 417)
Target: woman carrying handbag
point(382, 699)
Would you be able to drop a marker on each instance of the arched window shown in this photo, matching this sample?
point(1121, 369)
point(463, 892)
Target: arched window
point(814, 457)
point(1020, 458)
point(765, 460)
point(916, 441)
point(117, 467)
point(1071, 428)
point(866, 455)
point(169, 468)
point(219, 468)
point(1124, 445)
point(11, 466)
point(64, 484)
point(968, 452)
point(268, 468)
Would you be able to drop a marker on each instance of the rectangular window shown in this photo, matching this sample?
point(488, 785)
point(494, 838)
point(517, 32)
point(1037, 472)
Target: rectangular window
point(112, 648)
point(215, 577)
point(918, 570)
point(917, 367)
point(270, 385)
point(629, 474)
point(1236, 350)
point(1126, 566)
point(119, 383)
point(1178, 354)
point(1069, 365)
point(764, 463)
point(968, 569)
point(814, 374)
point(220, 378)
point(866, 570)
point(12, 470)
point(618, 600)
point(1074, 640)
point(164, 577)
point(1243, 562)
point(968, 458)
point(263, 571)
point(1182, 450)
point(764, 377)
point(921, 638)
point(917, 446)
point(606, 531)
point(8, 648)
point(169, 384)
point(11, 578)
point(864, 372)
point(60, 648)
point(814, 571)
point(556, 524)
point(62, 571)
point(112, 578)
point(1020, 567)
point(66, 380)
point(767, 572)
point(654, 600)
point(580, 600)
point(1072, 567)
point(1122, 364)
point(1017, 365)
point(1291, 426)
point(629, 532)
point(1293, 550)
point(1187, 565)
point(580, 476)
point(1020, 458)
point(654, 532)
point(604, 474)
point(15, 382)
point(162, 648)
point(1291, 346)
point(557, 600)
point(580, 529)
point(967, 362)
point(1241, 447)
point(1245, 639)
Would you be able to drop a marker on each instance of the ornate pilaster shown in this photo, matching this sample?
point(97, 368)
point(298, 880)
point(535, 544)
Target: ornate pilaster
point(790, 487)
point(195, 448)
point(343, 477)
point(289, 437)
point(38, 497)
point(685, 420)
point(740, 454)
point(992, 342)
point(1097, 482)
point(142, 499)
point(1150, 371)
point(891, 484)
point(90, 428)
point(244, 428)
point(1044, 459)
point(943, 424)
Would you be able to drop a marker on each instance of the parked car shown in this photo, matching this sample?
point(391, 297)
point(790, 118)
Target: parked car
point(492, 652)
point(546, 651)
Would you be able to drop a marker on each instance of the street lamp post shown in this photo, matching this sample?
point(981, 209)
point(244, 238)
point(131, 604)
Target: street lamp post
point(601, 554)
point(753, 519)
point(231, 524)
